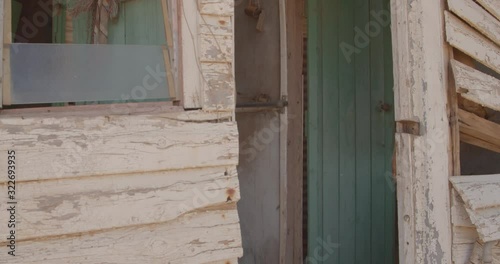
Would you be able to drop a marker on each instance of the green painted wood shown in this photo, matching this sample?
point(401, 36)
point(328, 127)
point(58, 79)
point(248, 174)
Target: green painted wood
point(139, 23)
point(351, 199)
point(315, 134)
point(16, 15)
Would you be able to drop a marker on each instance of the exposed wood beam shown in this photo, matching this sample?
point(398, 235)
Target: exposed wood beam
point(479, 132)
point(295, 148)
point(421, 83)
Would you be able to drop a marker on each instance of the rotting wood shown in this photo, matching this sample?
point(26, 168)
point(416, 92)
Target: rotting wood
point(421, 62)
point(478, 131)
point(468, 40)
point(79, 145)
point(90, 204)
point(493, 6)
point(198, 237)
point(477, 17)
point(477, 86)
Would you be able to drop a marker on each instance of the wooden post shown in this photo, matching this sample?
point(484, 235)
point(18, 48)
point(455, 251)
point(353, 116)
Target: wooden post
point(291, 247)
point(422, 160)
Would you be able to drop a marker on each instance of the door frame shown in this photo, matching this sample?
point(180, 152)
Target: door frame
point(292, 30)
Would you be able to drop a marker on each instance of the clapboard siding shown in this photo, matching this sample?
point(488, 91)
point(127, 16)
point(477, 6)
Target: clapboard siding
point(477, 17)
point(199, 237)
point(465, 38)
point(478, 253)
point(213, 39)
point(477, 86)
point(135, 183)
point(79, 145)
point(480, 194)
point(493, 6)
point(97, 203)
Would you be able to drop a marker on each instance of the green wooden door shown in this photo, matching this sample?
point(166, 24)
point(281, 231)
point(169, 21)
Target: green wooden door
point(351, 198)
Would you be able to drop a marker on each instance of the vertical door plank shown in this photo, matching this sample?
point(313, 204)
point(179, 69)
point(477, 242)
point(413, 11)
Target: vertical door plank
point(363, 141)
point(347, 108)
point(378, 182)
point(329, 117)
point(314, 129)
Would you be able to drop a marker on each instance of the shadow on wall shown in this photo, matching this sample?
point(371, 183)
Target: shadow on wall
point(478, 161)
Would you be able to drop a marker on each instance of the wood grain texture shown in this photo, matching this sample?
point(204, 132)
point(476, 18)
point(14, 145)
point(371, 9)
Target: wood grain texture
point(471, 42)
point(73, 206)
point(478, 131)
point(294, 11)
point(191, 77)
point(79, 145)
point(7, 39)
point(477, 17)
point(216, 7)
point(216, 43)
point(480, 194)
point(206, 236)
point(493, 6)
point(478, 252)
point(2, 24)
point(462, 253)
point(421, 83)
point(477, 86)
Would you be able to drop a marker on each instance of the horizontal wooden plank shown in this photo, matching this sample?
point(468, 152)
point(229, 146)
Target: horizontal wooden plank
point(79, 145)
point(478, 252)
point(477, 17)
point(464, 235)
point(218, 87)
point(459, 216)
point(201, 237)
point(476, 86)
point(216, 25)
point(487, 222)
point(216, 7)
point(471, 42)
point(215, 48)
point(70, 206)
point(493, 6)
point(478, 192)
point(478, 131)
point(462, 253)
point(478, 143)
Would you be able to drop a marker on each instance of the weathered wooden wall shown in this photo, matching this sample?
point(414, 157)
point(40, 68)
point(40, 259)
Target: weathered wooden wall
point(473, 32)
point(133, 183)
point(258, 80)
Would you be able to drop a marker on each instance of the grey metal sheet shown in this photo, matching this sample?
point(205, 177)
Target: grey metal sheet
point(53, 73)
